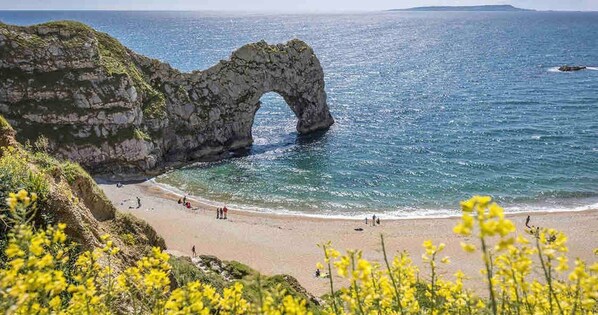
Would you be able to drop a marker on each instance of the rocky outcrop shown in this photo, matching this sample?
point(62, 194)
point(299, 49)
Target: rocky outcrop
point(115, 111)
point(571, 68)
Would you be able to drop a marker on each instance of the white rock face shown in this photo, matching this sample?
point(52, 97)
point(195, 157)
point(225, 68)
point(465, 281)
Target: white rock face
point(115, 111)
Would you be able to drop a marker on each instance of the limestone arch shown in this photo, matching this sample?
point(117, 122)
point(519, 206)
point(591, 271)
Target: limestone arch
point(291, 70)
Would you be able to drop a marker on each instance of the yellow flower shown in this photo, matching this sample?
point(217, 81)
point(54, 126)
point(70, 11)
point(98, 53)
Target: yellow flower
point(22, 194)
point(467, 206)
point(470, 248)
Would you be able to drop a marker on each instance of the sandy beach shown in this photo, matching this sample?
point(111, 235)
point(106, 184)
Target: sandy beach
point(282, 244)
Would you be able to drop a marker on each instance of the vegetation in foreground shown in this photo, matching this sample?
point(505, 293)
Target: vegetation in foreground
point(38, 276)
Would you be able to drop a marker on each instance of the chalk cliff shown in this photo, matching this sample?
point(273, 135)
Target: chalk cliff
point(117, 112)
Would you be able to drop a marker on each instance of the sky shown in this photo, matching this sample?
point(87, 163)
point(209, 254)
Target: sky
point(281, 5)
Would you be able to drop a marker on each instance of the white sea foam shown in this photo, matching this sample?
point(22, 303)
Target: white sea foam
point(396, 214)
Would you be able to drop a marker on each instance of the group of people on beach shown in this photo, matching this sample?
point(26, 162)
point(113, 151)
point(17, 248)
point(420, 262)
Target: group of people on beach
point(185, 202)
point(375, 220)
point(221, 213)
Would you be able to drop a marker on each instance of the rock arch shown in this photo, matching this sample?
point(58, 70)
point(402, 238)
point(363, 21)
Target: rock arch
point(291, 70)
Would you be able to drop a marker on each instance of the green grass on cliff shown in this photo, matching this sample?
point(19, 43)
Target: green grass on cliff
point(141, 135)
point(73, 26)
point(115, 59)
point(4, 125)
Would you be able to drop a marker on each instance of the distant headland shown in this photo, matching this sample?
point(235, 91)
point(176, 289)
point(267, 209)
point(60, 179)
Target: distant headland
point(476, 8)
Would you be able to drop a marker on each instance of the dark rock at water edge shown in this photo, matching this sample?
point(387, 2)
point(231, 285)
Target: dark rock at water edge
point(571, 68)
point(117, 112)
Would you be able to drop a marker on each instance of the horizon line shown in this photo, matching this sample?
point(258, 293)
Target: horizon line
point(272, 11)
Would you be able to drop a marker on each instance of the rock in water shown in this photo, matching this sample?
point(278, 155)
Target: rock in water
point(115, 111)
point(571, 68)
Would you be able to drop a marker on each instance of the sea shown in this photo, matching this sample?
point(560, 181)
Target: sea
point(430, 108)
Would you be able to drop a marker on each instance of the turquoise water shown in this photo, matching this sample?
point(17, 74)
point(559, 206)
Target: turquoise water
point(430, 108)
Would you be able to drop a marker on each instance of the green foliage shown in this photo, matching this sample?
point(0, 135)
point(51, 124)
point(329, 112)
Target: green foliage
point(126, 223)
point(257, 283)
point(155, 106)
point(128, 238)
point(141, 135)
point(115, 59)
point(16, 174)
point(74, 26)
point(4, 125)
point(184, 271)
point(238, 270)
point(72, 171)
point(42, 144)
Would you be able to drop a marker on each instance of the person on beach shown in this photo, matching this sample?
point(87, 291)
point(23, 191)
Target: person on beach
point(374, 220)
point(180, 201)
point(224, 211)
point(366, 220)
point(378, 220)
point(193, 251)
point(119, 185)
point(221, 214)
point(185, 200)
point(527, 222)
point(318, 273)
point(217, 213)
point(138, 202)
point(188, 205)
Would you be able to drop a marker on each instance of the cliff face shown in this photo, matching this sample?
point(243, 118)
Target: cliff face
point(115, 111)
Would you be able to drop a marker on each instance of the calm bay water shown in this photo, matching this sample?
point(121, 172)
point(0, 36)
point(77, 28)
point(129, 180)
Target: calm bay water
point(430, 108)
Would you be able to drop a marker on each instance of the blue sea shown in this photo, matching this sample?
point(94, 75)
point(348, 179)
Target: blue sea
point(430, 108)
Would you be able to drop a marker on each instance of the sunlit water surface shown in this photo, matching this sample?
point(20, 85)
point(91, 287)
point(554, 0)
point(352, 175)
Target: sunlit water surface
point(430, 108)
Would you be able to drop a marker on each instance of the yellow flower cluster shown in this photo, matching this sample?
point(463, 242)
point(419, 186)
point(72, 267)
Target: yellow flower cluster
point(39, 277)
point(512, 274)
point(523, 277)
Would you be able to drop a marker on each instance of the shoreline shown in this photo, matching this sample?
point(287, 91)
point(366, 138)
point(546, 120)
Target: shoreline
point(175, 193)
point(287, 244)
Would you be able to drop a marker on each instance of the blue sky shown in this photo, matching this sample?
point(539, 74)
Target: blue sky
point(280, 5)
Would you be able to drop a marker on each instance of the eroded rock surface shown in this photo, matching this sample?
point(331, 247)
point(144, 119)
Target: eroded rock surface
point(115, 111)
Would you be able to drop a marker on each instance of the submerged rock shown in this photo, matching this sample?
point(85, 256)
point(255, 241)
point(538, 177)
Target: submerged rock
point(571, 68)
point(115, 111)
